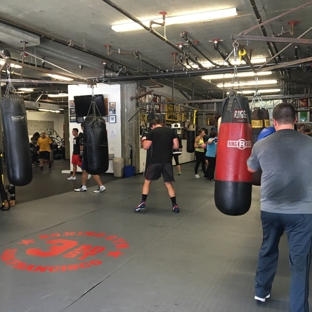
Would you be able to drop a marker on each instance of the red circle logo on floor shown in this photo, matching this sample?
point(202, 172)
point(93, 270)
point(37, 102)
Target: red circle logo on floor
point(67, 251)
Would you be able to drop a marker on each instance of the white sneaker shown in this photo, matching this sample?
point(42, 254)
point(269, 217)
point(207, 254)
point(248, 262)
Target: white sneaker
point(197, 176)
point(262, 299)
point(89, 176)
point(72, 178)
point(100, 189)
point(81, 189)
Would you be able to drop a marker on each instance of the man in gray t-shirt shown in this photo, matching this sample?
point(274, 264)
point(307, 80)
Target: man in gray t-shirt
point(286, 205)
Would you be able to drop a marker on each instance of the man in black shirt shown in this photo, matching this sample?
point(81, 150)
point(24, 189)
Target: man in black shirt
point(163, 140)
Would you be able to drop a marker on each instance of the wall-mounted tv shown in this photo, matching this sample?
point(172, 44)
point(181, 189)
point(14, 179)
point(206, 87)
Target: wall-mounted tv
point(82, 105)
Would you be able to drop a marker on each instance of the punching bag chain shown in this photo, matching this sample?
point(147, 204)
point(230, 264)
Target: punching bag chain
point(235, 79)
point(9, 88)
point(256, 99)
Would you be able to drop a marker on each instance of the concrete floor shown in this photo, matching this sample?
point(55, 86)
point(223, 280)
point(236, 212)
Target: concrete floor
point(87, 252)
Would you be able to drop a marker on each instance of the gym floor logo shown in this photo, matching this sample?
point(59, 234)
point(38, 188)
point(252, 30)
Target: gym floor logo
point(67, 251)
point(240, 144)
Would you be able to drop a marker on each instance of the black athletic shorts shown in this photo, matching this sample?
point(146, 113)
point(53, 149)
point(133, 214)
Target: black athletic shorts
point(44, 155)
point(154, 171)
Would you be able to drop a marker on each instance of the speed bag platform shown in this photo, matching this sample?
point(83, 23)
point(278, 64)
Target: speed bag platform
point(95, 150)
point(233, 183)
point(16, 142)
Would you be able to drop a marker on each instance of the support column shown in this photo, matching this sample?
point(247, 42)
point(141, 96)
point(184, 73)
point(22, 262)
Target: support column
point(130, 129)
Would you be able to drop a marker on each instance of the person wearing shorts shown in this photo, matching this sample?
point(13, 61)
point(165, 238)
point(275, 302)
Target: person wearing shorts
point(44, 149)
point(76, 158)
point(162, 140)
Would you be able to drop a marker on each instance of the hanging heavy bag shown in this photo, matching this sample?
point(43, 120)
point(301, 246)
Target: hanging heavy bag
point(16, 143)
point(233, 180)
point(257, 128)
point(95, 148)
point(256, 176)
point(149, 152)
point(179, 150)
point(190, 139)
point(256, 123)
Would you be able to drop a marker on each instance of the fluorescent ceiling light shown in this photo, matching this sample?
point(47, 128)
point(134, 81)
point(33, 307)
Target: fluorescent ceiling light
point(12, 65)
point(261, 91)
point(48, 110)
point(59, 77)
point(182, 19)
point(246, 83)
point(258, 60)
point(26, 89)
point(242, 74)
point(58, 95)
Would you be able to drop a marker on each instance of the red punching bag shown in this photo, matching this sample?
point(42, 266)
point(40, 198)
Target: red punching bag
point(16, 142)
point(95, 150)
point(233, 183)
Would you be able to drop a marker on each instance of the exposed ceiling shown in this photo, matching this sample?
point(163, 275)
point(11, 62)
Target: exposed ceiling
point(76, 36)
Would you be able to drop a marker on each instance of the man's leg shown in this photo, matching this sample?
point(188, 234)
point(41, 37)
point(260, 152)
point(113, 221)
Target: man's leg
point(74, 170)
point(170, 189)
point(268, 255)
point(145, 191)
point(98, 181)
point(84, 178)
point(299, 232)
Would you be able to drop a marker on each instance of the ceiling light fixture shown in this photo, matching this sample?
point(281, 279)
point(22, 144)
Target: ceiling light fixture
point(261, 91)
point(181, 19)
point(26, 89)
point(229, 76)
point(59, 77)
point(12, 65)
point(246, 83)
point(58, 95)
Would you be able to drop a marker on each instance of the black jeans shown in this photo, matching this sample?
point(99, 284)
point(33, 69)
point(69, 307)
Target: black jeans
point(211, 168)
point(200, 159)
point(298, 228)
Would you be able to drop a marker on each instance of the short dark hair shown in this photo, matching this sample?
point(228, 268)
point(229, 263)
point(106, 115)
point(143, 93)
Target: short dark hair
point(213, 134)
point(284, 113)
point(75, 129)
point(154, 122)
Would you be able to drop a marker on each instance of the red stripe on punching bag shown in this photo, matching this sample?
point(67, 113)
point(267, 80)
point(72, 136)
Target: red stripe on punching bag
point(234, 148)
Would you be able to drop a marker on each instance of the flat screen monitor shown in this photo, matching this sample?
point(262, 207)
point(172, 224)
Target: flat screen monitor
point(82, 105)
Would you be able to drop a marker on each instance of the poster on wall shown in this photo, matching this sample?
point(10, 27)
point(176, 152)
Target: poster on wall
point(72, 111)
point(112, 108)
point(303, 104)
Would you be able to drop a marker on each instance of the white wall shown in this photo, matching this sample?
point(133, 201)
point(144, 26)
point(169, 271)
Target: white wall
point(41, 116)
point(112, 93)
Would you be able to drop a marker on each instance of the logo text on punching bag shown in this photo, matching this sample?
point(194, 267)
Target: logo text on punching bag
point(240, 144)
point(18, 119)
point(239, 115)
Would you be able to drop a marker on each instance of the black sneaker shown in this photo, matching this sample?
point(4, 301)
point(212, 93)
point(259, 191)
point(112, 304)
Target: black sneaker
point(41, 167)
point(175, 208)
point(140, 206)
point(50, 165)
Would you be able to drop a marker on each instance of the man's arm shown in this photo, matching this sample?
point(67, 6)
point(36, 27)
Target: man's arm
point(176, 144)
point(146, 144)
point(251, 170)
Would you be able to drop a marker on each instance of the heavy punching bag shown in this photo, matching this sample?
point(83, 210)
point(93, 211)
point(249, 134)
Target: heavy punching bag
point(95, 149)
point(16, 143)
point(259, 121)
point(233, 181)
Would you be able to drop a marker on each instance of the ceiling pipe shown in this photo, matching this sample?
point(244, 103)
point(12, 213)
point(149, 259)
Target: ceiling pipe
point(216, 47)
point(263, 30)
point(61, 41)
point(193, 44)
point(149, 29)
point(193, 73)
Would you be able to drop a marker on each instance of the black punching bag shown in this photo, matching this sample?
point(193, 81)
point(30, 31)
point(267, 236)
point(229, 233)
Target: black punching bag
point(233, 183)
point(190, 139)
point(16, 142)
point(95, 150)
